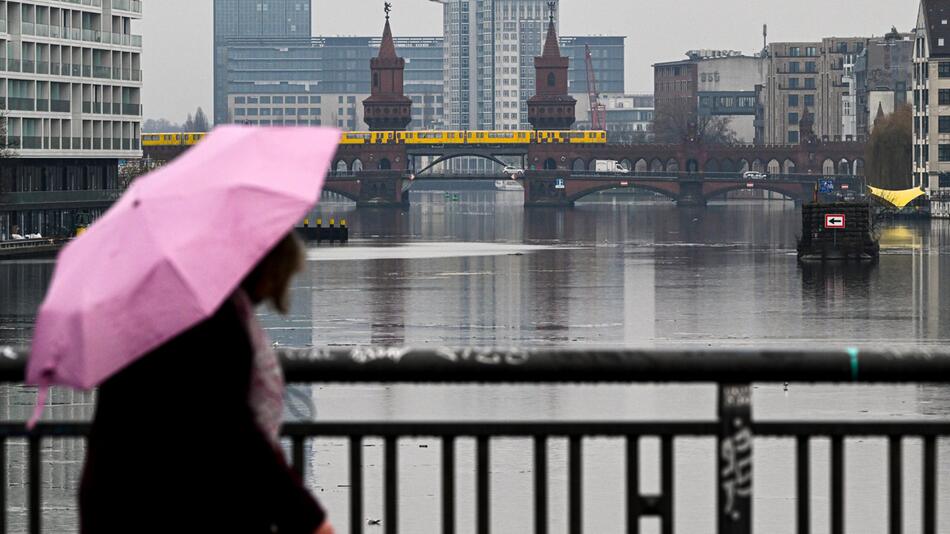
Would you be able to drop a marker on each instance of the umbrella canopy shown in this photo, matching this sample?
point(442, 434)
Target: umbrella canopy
point(173, 248)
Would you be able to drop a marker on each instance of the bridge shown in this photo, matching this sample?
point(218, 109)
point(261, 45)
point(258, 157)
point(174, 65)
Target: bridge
point(690, 173)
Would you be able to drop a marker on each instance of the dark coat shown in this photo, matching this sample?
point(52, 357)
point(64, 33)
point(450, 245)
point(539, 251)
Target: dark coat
point(175, 447)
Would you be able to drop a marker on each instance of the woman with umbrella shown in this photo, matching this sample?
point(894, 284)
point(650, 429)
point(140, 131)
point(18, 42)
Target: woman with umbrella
point(155, 306)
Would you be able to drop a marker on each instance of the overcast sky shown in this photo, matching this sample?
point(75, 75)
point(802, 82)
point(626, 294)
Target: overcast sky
point(177, 55)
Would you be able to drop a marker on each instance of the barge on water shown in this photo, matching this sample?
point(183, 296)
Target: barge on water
point(837, 231)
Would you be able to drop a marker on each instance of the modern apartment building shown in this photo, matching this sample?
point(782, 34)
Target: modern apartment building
point(71, 90)
point(629, 117)
point(490, 46)
point(252, 19)
point(324, 80)
point(720, 83)
point(931, 101)
point(883, 77)
point(807, 76)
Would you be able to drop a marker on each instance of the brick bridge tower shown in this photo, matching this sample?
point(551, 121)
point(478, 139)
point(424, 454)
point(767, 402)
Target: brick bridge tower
point(551, 108)
point(387, 108)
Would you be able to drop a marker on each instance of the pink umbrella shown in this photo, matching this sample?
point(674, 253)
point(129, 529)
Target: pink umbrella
point(173, 248)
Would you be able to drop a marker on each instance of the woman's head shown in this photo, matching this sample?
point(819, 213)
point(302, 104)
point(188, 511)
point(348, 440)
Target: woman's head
point(270, 279)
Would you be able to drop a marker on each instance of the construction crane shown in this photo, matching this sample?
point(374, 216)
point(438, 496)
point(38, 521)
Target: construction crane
point(598, 111)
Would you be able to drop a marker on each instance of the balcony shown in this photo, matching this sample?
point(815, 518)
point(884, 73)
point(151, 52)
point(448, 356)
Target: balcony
point(134, 6)
point(42, 104)
point(21, 104)
point(48, 198)
point(132, 109)
point(102, 72)
point(13, 65)
point(3, 26)
point(59, 106)
point(31, 143)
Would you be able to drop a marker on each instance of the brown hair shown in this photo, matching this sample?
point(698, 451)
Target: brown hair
point(270, 279)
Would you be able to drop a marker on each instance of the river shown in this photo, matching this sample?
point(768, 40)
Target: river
point(480, 270)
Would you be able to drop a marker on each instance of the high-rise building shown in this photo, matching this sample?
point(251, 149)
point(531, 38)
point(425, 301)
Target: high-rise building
point(932, 104)
point(236, 20)
point(490, 46)
point(807, 78)
point(883, 76)
point(71, 82)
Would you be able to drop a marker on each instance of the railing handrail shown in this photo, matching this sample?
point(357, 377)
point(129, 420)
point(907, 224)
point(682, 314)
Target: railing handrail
point(397, 365)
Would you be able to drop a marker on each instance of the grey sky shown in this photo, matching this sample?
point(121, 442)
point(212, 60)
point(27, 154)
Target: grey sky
point(177, 57)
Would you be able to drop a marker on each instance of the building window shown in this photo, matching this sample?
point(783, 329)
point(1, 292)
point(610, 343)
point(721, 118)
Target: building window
point(944, 96)
point(794, 67)
point(811, 51)
point(943, 153)
point(551, 79)
point(793, 101)
point(943, 69)
point(793, 118)
point(810, 66)
point(794, 51)
point(793, 83)
point(809, 83)
point(793, 137)
point(944, 124)
point(239, 100)
point(240, 112)
point(809, 100)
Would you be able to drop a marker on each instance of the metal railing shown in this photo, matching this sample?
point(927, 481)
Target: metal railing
point(733, 428)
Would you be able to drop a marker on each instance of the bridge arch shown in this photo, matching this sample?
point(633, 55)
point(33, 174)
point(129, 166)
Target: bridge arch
point(858, 167)
point(828, 167)
point(774, 167)
point(330, 187)
point(712, 165)
point(443, 159)
point(357, 165)
point(579, 165)
point(758, 165)
point(844, 166)
point(727, 165)
point(641, 166)
point(790, 192)
point(788, 167)
point(550, 164)
point(672, 165)
point(656, 165)
point(341, 166)
point(385, 164)
point(744, 165)
point(653, 188)
point(626, 164)
point(592, 165)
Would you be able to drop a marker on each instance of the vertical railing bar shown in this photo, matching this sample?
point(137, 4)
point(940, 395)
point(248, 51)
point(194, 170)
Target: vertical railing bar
point(895, 477)
point(633, 485)
point(356, 484)
point(930, 485)
point(3, 485)
point(391, 483)
point(296, 452)
point(837, 485)
point(666, 508)
point(803, 467)
point(575, 483)
point(448, 485)
point(540, 484)
point(483, 486)
point(34, 504)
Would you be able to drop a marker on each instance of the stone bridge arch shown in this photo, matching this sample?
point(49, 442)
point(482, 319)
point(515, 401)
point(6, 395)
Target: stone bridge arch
point(578, 189)
point(790, 190)
point(456, 155)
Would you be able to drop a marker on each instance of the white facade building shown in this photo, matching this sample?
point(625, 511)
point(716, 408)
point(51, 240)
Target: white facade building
point(71, 78)
point(490, 46)
point(849, 101)
point(932, 104)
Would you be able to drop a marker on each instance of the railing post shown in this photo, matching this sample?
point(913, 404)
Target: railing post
point(735, 459)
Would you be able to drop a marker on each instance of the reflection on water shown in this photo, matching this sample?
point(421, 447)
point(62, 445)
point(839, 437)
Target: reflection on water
point(484, 271)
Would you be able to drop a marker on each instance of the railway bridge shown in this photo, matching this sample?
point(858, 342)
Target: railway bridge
point(558, 174)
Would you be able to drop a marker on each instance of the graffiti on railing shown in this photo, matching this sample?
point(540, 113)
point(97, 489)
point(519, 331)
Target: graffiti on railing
point(735, 458)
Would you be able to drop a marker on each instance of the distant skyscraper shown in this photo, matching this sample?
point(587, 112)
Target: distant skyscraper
point(248, 19)
point(490, 46)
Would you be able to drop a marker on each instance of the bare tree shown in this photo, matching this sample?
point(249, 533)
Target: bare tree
point(200, 121)
point(890, 150)
point(675, 124)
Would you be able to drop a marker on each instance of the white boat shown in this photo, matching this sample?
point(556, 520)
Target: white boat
point(508, 185)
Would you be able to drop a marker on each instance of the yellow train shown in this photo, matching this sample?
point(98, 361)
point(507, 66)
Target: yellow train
point(172, 139)
point(447, 137)
point(476, 137)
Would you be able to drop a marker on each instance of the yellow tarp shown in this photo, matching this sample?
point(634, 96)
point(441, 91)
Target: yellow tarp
point(898, 199)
